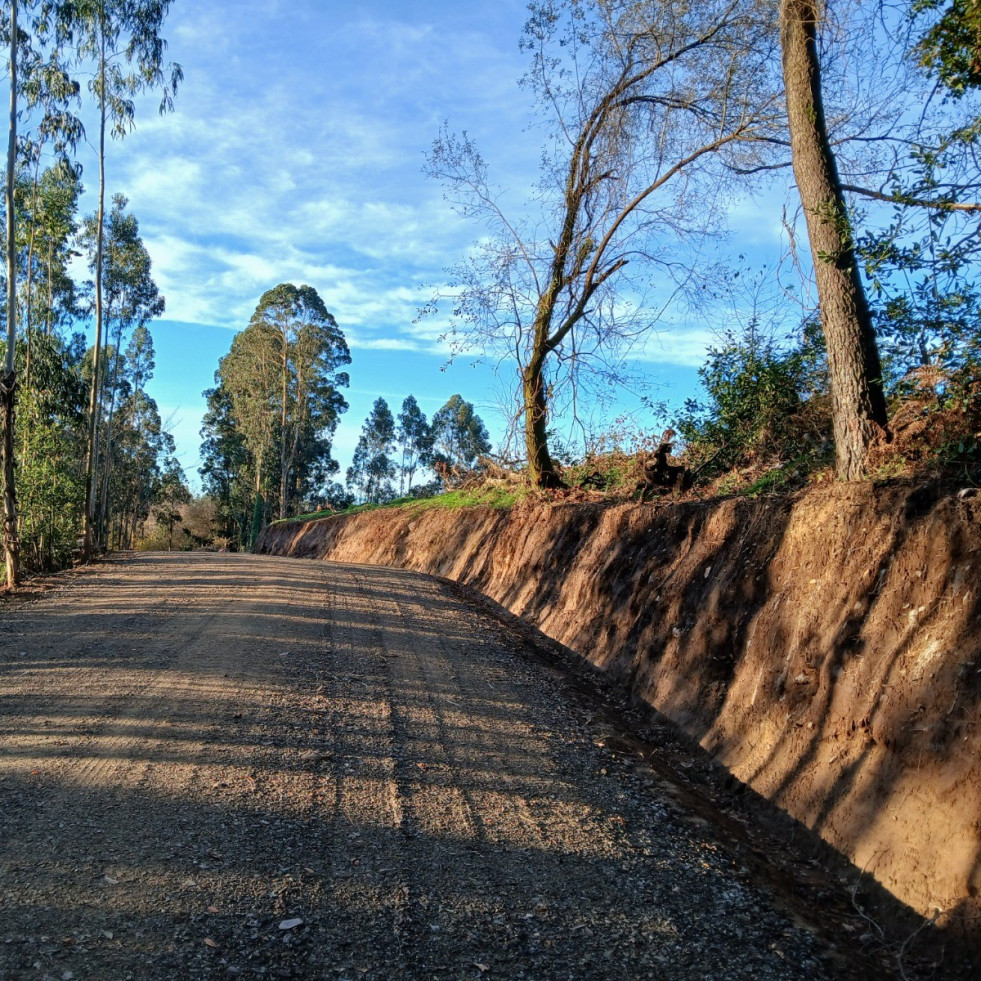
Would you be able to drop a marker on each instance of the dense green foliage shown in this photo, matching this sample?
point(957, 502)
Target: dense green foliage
point(271, 417)
point(764, 405)
point(372, 472)
point(451, 447)
point(136, 454)
point(224, 469)
point(414, 442)
point(50, 431)
point(951, 45)
point(74, 464)
point(459, 438)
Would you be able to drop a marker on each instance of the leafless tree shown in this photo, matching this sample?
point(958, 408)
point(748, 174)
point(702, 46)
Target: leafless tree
point(651, 109)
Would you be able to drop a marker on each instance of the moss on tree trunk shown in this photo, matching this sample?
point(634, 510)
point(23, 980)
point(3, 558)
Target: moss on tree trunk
point(857, 397)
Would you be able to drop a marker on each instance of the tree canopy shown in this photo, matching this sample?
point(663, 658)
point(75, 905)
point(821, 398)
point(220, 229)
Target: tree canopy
point(280, 393)
point(459, 436)
point(372, 472)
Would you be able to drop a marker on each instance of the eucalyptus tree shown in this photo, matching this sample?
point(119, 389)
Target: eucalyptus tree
point(139, 357)
point(50, 446)
point(131, 299)
point(144, 454)
point(52, 94)
point(248, 376)
point(172, 494)
point(309, 349)
point(50, 421)
point(225, 464)
point(650, 108)
point(8, 381)
point(120, 42)
point(49, 204)
point(372, 469)
point(414, 439)
point(38, 85)
point(283, 380)
point(458, 436)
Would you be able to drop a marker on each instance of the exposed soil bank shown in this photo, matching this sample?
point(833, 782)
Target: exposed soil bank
point(826, 647)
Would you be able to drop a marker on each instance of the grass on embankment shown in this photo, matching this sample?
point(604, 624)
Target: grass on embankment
point(503, 495)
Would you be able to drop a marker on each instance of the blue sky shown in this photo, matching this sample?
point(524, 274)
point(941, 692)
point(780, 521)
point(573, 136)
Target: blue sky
point(295, 154)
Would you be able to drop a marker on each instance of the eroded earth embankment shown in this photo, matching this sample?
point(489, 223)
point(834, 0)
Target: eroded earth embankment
point(826, 647)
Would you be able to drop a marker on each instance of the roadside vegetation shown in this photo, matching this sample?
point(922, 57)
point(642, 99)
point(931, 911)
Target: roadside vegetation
point(862, 363)
point(86, 457)
point(856, 360)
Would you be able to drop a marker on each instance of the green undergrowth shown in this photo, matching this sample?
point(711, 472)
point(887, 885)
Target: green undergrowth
point(489, 495)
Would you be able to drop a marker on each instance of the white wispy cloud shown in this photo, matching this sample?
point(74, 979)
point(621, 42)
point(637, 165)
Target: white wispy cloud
point(356, 341)
point(295, 154)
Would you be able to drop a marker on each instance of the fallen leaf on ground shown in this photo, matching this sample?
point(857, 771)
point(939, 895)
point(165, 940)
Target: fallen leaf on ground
point(210, 943)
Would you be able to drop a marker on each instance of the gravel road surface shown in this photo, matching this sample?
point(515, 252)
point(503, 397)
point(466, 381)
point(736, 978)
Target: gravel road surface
point(227, 766)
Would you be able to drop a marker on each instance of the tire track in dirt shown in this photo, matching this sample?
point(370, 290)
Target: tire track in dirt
point(196, 749)
point(484, 799)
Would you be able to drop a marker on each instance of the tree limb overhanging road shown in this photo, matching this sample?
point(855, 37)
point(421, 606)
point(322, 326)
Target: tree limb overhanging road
point(236, 766)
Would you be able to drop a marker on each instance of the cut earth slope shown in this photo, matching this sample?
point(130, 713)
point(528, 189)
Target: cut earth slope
point(825, 646)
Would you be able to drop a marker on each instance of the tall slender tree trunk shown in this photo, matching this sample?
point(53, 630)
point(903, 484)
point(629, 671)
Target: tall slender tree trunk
point(284, 463)
point(8, 383)
point(102, 505)
point(857, 398)
point(28, 306)
point(49, 313)
point(258, 507)
point(92, 456)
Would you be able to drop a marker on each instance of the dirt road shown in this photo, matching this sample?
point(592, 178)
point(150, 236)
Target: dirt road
point(222, 766)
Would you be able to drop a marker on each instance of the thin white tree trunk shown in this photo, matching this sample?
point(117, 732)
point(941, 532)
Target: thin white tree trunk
point(8, 384)
point(92, 460)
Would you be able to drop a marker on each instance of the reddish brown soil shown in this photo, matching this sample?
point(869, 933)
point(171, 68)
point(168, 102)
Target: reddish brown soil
point(826, 647)
point(221, 766)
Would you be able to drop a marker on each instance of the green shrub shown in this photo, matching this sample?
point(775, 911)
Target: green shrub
point(765, 406)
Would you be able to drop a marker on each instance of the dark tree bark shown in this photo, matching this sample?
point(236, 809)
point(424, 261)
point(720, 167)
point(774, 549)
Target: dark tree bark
point(541, 468)
point(95, 392)
point(8, 383)
point(857, 397)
